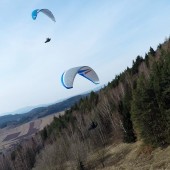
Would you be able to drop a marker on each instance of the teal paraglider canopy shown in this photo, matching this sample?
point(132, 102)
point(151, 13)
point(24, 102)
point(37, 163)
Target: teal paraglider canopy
point(47, 12)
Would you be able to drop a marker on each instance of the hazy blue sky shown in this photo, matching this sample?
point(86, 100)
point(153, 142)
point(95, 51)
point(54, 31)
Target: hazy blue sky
point(104, 34)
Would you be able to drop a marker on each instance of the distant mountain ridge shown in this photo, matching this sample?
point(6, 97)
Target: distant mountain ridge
point(22, 110)
point(29, 108)
point(16, 119)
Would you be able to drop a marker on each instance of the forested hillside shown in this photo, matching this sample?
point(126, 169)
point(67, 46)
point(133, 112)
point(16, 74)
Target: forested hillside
point(133, 107)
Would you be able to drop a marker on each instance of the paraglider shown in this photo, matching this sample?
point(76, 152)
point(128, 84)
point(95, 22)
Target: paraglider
point(45, 11)
point(93, 125)
point(47, 40)
point(68, 77)
point(48, 13)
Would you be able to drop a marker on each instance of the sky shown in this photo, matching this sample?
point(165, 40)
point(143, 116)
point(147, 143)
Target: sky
point(106, 35)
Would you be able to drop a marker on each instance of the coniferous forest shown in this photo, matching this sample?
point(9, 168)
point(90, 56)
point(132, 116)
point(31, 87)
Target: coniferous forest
point(134, 106)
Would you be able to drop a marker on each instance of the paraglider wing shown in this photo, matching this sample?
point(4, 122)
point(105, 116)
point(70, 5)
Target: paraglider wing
point(45, 11)
point(67, 78)
point(89, 74)
point(48, 13)
point(34, 14)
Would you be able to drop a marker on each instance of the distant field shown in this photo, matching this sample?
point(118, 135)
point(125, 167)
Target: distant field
point(11, 135)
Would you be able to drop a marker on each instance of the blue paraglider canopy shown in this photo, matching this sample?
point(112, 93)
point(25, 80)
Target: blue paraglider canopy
point(45, 11)
point(34, 14)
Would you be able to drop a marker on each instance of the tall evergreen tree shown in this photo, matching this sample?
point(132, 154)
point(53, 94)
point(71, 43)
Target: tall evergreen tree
point(125, 111)
point(148, 113)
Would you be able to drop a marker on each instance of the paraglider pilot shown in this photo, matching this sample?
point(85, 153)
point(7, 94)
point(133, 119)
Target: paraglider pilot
point(47, 40)
point(93, 125)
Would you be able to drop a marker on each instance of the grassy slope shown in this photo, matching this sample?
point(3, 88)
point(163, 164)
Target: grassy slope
point(132, 157)
point(120, 156)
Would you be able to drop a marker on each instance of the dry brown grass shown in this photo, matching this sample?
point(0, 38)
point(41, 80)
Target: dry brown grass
point(120, 156)
point(132, 157)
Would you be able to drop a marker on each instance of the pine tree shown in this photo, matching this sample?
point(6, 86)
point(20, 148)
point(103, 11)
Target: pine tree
point(152, 51)
point(148, 113)
point(125, 111)
point(136, 64)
